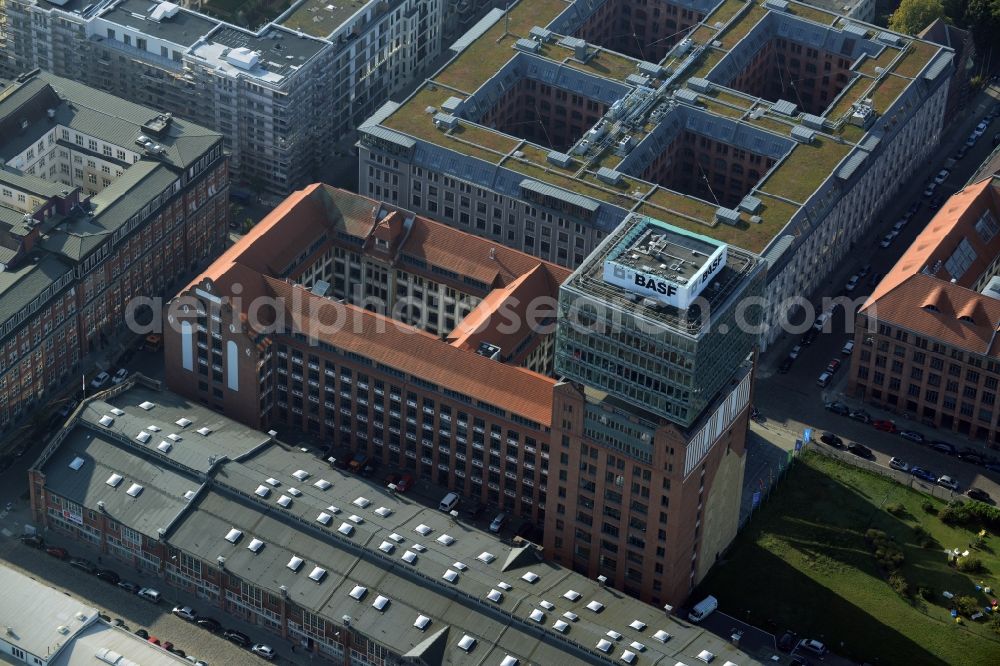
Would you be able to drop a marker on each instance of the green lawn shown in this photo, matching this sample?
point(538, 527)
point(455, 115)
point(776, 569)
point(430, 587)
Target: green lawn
point(804, 564)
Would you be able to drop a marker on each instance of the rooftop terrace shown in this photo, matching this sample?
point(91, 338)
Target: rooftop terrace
point(320, 18)
point(883, 70)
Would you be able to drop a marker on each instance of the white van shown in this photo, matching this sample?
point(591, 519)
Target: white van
point(149, 594)
point(449, 502)
point(703, 609)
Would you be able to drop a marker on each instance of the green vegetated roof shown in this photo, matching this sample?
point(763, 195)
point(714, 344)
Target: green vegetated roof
point(795, 178)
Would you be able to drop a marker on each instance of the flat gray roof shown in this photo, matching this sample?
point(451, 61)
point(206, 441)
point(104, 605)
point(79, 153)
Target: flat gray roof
point(384, 527)
point(183, 28)
point(33, 622)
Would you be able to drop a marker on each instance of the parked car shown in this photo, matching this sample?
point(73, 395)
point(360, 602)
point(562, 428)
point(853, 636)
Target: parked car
point(167, 645)
point(824, 379)
point(861, 415)
point(109, 576)
point(796, 350)
point(59, 553)
point(833, 366)
point(860, 450)
point(875, 279)
point(943, 174)
point(128, 586)
point(211, 624)
point(929, 190)
point(154, 640)
point(142, 633)
point(944, 447)
point(83, 565)
point(33, 540)
point(888, 238)
point(788, 641)
point(838, 408)
point(900, 464)
point(979, 495)
point(832, 440)
point(67, 408)
point(100, 381)
point(809, 336)
point(405, 483)
point(884, 425)
point(852, 283)
point(865, 270)
point(812, 645)
point(262, 650)
point(912, 435)
point(973, 457)
point(118, 622)
point(119, 376)
point(848, 348)
point(786, 365)
point(185, 613)
point(498, 522)
point(237, 637)
point(923, 474)
point(150, 595)
point(936, 202)
point(900, 224)
point(948, 482)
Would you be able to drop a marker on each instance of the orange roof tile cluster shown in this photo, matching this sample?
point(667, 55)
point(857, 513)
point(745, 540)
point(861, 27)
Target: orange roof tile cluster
point(263, 263)
point(415, 352)
point(509, 315)
point(920, 295)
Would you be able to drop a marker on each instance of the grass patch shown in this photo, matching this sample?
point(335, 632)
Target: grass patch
point(917, 55)
point(486, 55)
point(813, 552)
point(742, 27)
point(805, 168)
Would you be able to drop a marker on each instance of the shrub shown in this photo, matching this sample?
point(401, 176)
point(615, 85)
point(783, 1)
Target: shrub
point(966, 605)
point(873, 535)
point(924, 538)
point(896, 509)
point(926, 594)
point(928, 507)
point(954, 514)
point(898, 583)
point(970, 564)
point(995, 622)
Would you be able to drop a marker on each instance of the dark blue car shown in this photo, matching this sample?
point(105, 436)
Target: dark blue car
point(924, 474)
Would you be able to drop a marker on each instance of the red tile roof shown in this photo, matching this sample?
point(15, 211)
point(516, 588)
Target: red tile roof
point(259, 262)
point(415, 352)
point(920, 295)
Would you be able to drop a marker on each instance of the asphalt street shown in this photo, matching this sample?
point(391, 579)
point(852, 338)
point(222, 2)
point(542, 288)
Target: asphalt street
point(793, 402)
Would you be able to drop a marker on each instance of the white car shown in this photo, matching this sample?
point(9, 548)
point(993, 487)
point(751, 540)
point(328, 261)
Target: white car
point(812, 645)
point(899, 464)
point(942, 176)
point(848, 348)
point(185, 613)
point(262, 650)
point(948, 482)
point(851, 284)
point(119, 376)
point(100, 381)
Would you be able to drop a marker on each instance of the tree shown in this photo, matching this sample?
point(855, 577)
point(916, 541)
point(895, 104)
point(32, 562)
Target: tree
point(983, 18)
point(912, 16)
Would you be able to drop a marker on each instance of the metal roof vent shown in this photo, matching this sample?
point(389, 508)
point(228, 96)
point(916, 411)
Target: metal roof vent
point(727, 215)
point(561, 160)
point(777, 5)
point(528, 45)
point(701, 85)
point(445, 121)
point(609, 176)
point(541, 34)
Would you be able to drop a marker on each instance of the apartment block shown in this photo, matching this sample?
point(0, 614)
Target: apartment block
point(379, 332)
point(256, 528)
point(282, 94)
point(926, 339)
point(773, 126)
point(655, 347)
point(101, 202)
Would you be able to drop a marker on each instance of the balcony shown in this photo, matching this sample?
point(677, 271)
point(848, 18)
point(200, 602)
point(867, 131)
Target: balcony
point(426, 461)
point(297, 377)
point(296, 360)
point(411, 403)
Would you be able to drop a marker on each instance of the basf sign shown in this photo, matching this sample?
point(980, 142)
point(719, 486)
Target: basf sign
point(648, 284)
